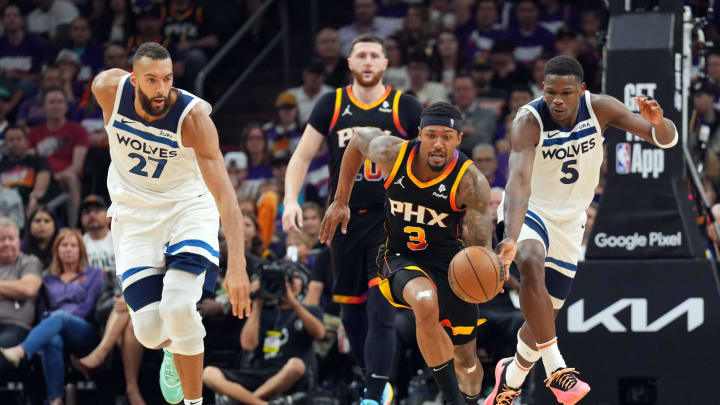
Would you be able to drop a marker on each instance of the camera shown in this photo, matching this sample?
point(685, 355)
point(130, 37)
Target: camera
point(273, 276)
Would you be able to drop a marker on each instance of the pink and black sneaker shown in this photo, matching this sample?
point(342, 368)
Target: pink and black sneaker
point(567, 388)
point(502, 394)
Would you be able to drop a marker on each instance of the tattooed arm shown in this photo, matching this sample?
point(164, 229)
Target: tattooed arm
point(474, 195)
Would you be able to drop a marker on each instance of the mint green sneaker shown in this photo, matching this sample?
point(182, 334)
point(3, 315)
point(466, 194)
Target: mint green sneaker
point(169, 380)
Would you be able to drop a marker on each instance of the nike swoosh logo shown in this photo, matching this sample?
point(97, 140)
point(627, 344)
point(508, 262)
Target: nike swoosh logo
point(124, 121)
point(549, 135)
point(440, 368)
point(194, 402)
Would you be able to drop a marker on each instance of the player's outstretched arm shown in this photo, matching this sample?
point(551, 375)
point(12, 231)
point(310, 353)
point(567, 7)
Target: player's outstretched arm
point(368, 143)
point(104, 88)
point(295, 174)
point(650, 124)
point(199, 133)
point(524, 137)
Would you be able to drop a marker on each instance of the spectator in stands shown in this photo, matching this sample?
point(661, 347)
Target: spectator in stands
point(40, 233)
point(568, 42)
point(529, 37)
point(478, 125)
point(276, 371)
point(97, 160)
point(303, 244)
point(366, 23)
point(507, 70)
point(89, 51)
point(26, 172)
point(116, 24)
point(236, 165)
point(488, 96)
point(536, 86)
point(116, 57)
point(479, 39)
point(284, 132)
point(312, 216)
point(448, 60)
point(417, 32)
point(32, 111)
point(426, 92)
point(20, 280)
point(65, 144)
point(70, 291)
point(396, 74)
point(5, 97)
point(51, 19)
point(148, 23)
point(97, 237)
point(11, 205)
point(313, 77)
point(485, 160)
point(69, 64)
point(519, 96)
point(327, 49)
point(254, 143)
point(496, 195)
point(21, 53)
point(592, 21)
point(441, 15)
point(555, 14)
point(195, 39)
point(713, 69)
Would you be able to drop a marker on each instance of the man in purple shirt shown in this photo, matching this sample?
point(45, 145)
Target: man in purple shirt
point(530, 39)
point(21, 54)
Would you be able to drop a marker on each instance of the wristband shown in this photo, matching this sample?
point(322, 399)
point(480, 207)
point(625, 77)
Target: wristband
point(668, 145)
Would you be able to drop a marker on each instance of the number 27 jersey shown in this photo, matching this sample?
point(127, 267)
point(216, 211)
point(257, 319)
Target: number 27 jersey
point(150, 166)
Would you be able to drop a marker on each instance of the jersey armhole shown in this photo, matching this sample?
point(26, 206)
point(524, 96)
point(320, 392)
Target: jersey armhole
point(453, 190)
point(536, 114)
point(396, 114)
point(336, 111)
point(118, 94)
point(396, 166)
point(185, 112)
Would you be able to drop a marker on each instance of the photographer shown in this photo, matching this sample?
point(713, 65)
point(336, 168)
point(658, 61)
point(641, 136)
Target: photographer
point(279, 333)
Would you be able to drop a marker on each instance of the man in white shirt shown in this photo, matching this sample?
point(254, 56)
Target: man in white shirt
point(312, 88)
point(426, 92)
point(52, 18)
point(97, 238)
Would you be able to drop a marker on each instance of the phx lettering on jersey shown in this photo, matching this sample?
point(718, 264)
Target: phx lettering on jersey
point(406, 209)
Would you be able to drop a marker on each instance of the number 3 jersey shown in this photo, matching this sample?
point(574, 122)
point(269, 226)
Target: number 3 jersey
point(422, 218)
point(337, 114)
point(567, 163)
point(150, 166)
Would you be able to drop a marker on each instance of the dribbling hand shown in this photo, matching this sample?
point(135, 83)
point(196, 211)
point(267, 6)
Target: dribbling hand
point(337, 213)
point(237, 287)
point(506, 251)
point(650, 109)
point(292, 219)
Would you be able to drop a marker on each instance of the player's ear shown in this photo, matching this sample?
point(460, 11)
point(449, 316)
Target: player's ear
point(583, 86)
point(133, 79)
point(460, 135)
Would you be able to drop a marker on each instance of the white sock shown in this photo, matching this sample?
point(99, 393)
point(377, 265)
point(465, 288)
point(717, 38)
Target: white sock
point(551, 357)
point(193, 401)
point(516, 373)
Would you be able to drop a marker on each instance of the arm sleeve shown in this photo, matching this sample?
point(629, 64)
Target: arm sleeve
point(409, 111)
point(322, 113)
point(31, 265)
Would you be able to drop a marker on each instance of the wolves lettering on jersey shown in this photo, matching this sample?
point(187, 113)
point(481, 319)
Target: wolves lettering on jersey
point(567, 162)
point(149, 164)
point(421, 218)
point(349, 114)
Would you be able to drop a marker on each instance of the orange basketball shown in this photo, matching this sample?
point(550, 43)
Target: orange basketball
point(476, 274)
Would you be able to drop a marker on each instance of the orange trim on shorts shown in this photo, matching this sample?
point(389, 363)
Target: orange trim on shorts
point(396, 166)
point(546, 345)
point(453, 190)
point(348, 299)
point(457, 330)
point(367, 106)
point(374, 281)
point(336, 112)
point(431, 182)
point(396, 113)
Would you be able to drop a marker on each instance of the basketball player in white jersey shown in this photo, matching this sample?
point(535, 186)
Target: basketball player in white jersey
point(557, 150)
point(167, 181)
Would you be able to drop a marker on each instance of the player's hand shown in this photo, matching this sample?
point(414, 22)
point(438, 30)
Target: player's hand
point(336, 213)
point(292, 220)
point(650, 109)
point(237, 287)
point(506, 251)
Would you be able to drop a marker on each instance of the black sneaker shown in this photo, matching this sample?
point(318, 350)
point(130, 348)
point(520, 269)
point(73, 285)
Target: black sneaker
point(502, 394)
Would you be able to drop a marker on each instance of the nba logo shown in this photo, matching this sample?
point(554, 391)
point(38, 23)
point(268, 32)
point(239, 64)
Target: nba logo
point(622, 158)
point(452, 122)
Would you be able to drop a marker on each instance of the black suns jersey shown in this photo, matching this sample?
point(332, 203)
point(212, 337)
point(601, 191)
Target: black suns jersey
point(336, 114)
point(422, 218)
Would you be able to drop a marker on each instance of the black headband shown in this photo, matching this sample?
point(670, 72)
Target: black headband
point(440, 120)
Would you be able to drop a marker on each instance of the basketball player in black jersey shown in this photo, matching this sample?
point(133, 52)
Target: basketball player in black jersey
point(367, 317)
point(431, 190)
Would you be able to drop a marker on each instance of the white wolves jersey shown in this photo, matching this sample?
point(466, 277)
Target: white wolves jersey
point(567, 162)
point(150, 166)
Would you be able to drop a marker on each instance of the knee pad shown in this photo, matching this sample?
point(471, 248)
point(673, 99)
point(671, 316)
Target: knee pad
point(528, 353)
point(379, 309)
point(178, 311)
point(148, 329)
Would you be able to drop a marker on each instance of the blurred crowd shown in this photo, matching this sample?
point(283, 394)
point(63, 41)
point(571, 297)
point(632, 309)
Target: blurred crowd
point(59, 294)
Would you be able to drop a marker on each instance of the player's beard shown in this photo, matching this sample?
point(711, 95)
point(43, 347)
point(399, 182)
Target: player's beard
point(146, 104)
point(358, 76)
